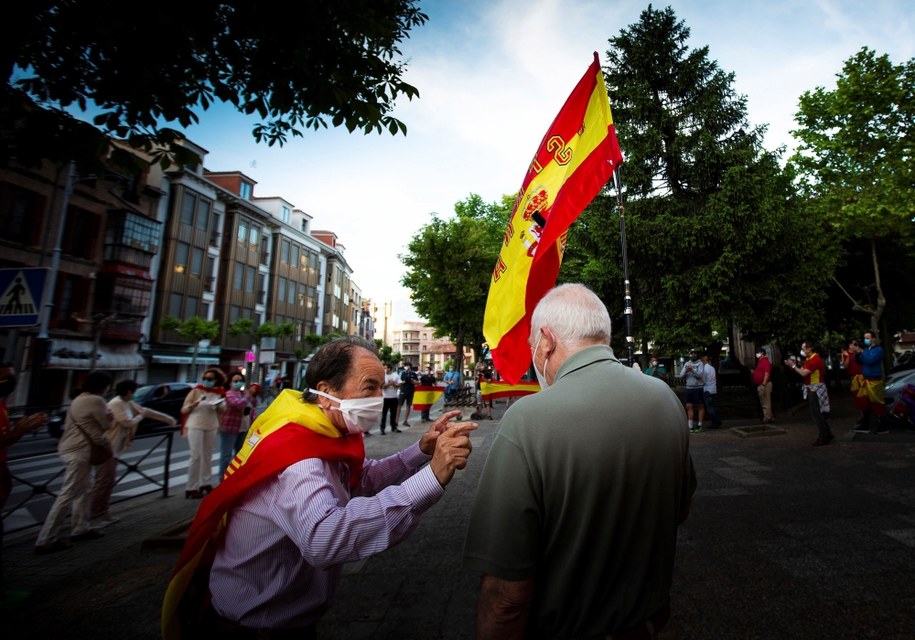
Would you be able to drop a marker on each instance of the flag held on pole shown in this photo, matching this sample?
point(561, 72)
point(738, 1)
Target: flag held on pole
point(574, 161)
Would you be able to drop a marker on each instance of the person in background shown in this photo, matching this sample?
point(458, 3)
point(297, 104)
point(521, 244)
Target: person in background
point(235, 420)
point(567, 553)
point(126, 416)
point(389, 390)
point(853, 369)
point(408, 380)
point(762, 380)
point(452, 382)
point(656, 369)
point(813, 372)
point(10, 435)
point(305, 500)
point(691, 371)
point(201, 412)
point(87, 419)
point(871, 392)
point(710, 391)
point(427, 379)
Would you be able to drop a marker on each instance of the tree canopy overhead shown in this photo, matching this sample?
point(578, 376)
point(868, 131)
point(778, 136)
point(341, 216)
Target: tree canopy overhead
point(295, 65)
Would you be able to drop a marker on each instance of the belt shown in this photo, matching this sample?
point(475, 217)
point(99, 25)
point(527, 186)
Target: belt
point(648, 630)
point(229, 630)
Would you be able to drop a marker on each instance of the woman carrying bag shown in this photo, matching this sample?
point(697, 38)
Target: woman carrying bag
point(87, 421)
point(201, 412)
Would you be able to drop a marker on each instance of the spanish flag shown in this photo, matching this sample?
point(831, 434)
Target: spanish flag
point(424, 397)
point(490, 390)
point(576, 158)
point(289, 430)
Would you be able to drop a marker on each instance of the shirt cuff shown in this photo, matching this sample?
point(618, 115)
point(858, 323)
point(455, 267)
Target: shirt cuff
point(414, 457)
point(423, 489)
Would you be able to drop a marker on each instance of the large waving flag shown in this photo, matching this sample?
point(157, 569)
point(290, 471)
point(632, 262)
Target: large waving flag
point(575, 160)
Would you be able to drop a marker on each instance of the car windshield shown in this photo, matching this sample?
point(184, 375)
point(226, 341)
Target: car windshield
point(142, 392)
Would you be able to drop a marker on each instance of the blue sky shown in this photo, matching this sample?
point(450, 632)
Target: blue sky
point(492, 74)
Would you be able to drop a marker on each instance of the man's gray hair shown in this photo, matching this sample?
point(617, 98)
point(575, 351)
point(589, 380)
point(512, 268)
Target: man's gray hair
point(575, 314)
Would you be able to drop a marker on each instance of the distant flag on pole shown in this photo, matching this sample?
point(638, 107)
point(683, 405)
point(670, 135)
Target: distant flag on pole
point(574, 161)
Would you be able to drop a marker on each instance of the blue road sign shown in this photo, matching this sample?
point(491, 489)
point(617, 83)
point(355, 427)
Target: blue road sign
point(21, 292)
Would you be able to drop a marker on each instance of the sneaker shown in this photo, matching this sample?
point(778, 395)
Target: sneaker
point(862, 430)
point(405, 424)
point(396, 430)
point(91, 534)
point(880, 431)
point(696, 430)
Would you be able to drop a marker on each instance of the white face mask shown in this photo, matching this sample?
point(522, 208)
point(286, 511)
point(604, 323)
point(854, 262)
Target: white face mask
point(541, 377)
point(359, 414)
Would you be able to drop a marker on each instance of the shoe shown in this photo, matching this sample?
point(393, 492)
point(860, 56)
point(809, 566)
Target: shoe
point(396, 430)
point(696, 430)
point(205, 489)
point(91, 534)
point(861, 430)
point(405, 424)
point(819, 442)
point(367, 434)
point(52, 547)
point(382, 432)
point(880, 431)
point(192, 495)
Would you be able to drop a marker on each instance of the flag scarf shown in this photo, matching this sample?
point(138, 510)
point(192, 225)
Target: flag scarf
point(287, 432)
point(574, 161)
point(424, 396)
point(490, 390)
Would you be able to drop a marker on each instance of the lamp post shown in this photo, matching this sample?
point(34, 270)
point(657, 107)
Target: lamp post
point(627, 297)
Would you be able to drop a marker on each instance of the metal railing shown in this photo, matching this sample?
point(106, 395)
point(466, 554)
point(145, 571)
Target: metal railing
point(142, 467)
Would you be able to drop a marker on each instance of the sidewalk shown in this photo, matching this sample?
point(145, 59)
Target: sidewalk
point(784, 541)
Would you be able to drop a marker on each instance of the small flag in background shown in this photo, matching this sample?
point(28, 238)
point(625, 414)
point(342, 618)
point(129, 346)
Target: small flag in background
point(492, 390)
point(574, 161)
point(424, 396)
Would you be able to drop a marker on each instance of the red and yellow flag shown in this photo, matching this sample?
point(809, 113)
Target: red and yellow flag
point(490, 390)
point(424, 396)
point(574, 161)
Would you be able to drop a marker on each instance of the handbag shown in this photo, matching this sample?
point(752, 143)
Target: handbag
point(98, 453)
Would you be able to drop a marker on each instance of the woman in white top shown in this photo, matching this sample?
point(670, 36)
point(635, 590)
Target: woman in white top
point(201, 414)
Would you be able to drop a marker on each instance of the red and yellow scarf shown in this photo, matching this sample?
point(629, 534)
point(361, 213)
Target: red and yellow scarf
point(287, 432)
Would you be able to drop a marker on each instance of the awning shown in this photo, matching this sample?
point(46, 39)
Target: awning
point(169, 359)
point(77, 354)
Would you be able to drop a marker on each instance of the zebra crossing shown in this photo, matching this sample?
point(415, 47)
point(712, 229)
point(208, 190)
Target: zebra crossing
point(38, 479)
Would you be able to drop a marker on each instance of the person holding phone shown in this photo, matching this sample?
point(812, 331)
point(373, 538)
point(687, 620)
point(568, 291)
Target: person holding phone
point(203, 407)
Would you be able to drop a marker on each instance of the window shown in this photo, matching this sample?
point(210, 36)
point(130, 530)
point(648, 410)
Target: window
point(245, 190)
point(290, 293)
point(242, 231)
point(249, 281)
point(294, 255)
point(301, 295)
point(211, 262)
point(284, 251)
point(196, 260)
point(286, 214)
point(190, 307)
point(238, 276)
point(23, 216)
point(252, 240)
point(281, 289)
point(174, 305)
point(181, 254)
point(188, 204)
point(203, 214)
point(234, 313)
point(205, 310)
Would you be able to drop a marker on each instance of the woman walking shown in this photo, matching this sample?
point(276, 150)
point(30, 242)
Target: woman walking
point(87, 421)
point(201, 412)
point(239, 413)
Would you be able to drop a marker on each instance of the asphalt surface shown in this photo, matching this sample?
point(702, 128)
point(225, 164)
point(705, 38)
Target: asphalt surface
point(785, 540)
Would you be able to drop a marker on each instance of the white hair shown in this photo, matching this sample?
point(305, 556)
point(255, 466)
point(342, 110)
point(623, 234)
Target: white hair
point(574, 314)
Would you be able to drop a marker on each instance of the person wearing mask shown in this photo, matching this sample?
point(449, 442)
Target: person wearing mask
point(656, 369)
point(305, 500)
point(389, 388)
point(427, 379)
point(691, 371)
point(235, 420)
point(408, 380)
point(762, 380)
point(574, 524)
point(200, 413)
point(126, 415)
point(813, 373)
point(710, 391)
point(87, 421)
point(871, 391)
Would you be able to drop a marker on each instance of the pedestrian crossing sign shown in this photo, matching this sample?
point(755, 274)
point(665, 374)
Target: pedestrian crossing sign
point(21, 292)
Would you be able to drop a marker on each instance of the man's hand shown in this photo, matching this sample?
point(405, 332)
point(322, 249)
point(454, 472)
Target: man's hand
point(30, 423)
point(427, 442)
point(452, 449)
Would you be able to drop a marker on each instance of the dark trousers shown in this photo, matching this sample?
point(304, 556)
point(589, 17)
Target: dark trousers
point(389, 407)
point(819, 419)
point(711, 412)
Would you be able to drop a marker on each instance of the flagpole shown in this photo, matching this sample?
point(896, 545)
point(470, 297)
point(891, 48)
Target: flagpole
point(627, 297)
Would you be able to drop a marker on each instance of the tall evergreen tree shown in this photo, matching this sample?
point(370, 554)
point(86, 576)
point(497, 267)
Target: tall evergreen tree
point(709, 213)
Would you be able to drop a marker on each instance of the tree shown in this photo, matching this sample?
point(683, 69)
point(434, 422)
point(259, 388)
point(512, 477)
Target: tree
point(246, 326)
point(449, 266)
point(855, 167)
point(295, 66)
point(194, 329)
point(386, 353)
point(710, 216)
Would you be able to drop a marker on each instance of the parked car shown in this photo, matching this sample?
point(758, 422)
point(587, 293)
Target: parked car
point(895, 384)
point(165, 397)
